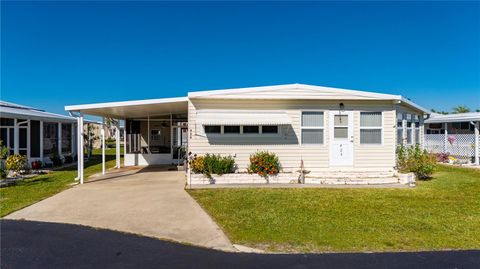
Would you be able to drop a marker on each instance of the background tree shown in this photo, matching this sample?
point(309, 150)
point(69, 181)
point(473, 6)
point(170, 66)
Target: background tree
point(439, 112)
point(110, 123)
point(461, 109)
point(89, 137)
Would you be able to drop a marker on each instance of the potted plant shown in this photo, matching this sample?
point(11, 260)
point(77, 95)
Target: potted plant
point(36, 164)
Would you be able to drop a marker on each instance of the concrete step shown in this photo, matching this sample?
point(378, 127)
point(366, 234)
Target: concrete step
point(353, 175)
point(350, 181)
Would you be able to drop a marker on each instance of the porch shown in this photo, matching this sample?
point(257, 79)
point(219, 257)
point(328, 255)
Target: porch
point(155, 133)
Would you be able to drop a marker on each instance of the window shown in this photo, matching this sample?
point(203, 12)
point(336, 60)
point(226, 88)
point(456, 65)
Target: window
point(50, 138)
point(409, 128)
point(155, 135)
point(370, 127)
point(66, 138)
point(251, 129)
point(213, 129)
point(269, 129)
point(340, 129)
point(235, 129)
point(400, 117)
point(461, 125)
point(312, 128)
point(416, 126)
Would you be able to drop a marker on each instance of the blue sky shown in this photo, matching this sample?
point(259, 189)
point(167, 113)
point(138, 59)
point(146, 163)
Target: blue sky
point(60, 53)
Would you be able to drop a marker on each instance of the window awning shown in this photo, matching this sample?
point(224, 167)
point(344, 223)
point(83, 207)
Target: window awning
point(243, 118)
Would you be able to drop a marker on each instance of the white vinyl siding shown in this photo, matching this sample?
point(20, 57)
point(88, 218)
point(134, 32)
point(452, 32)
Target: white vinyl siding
point(371, 128)
point(312, 128)
point(288, 143)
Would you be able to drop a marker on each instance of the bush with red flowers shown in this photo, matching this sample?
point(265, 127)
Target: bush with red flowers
point(264, 164)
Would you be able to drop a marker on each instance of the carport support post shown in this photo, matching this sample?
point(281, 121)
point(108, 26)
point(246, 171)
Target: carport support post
point(117, 142)
point(477, 134)
point(102, 134)
point(80, 147)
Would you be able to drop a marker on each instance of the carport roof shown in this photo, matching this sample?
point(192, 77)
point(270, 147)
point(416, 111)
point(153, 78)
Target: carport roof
point(133, 109)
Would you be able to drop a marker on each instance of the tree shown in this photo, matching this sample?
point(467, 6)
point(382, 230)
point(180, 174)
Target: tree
point(439, 112)
point(110, 123)
point(461, 109)
point(477, 110)
point(89, 137)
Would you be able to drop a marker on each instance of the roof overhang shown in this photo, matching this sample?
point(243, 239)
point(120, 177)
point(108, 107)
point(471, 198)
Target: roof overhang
point(11, 112)
point(133, 109)
point(460, 117)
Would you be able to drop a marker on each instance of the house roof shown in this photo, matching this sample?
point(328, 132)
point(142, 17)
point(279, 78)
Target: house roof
point(8, 109)
point(301, 92)
point(141, 108)
point(459, 117)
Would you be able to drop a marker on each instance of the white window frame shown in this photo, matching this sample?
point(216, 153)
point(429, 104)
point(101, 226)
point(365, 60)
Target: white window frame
point(312, 128)
point(370, 128)
point(241, 134)
point(411, 129)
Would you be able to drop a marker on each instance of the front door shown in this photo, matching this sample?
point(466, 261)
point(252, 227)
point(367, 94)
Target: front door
point(341, 138)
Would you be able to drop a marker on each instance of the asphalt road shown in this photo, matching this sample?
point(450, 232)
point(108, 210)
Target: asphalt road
point(28, 244)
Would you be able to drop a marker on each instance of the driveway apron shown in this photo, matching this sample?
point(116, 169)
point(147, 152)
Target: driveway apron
point(147, 202)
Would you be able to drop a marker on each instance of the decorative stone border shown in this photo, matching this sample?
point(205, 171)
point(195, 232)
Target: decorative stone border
point(292, 178)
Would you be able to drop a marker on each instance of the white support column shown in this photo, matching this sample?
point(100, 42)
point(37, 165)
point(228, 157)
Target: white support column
point(117, 142)
point(148, 134)
point(477, 134)
point(124, 139)
point(72, 142)
point(421, 133)
point(404, 129)
point(445, 137)
point(16, 137)
point(171, 136)
point(80, 147)
point(59, 146)
point(41, 141)
point(28, 141)
point(102, 134)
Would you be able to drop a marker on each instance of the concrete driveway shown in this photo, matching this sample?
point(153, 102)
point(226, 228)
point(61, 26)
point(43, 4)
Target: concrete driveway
point(145, 201)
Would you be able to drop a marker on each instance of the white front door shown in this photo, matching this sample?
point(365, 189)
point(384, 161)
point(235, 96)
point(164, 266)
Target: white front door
point(341, 138)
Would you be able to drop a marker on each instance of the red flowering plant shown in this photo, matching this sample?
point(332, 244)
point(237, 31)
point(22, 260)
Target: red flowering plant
point(264, 163)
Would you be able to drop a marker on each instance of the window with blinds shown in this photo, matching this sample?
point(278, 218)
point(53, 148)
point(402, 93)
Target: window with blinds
point(371, 127)
point(312, 128)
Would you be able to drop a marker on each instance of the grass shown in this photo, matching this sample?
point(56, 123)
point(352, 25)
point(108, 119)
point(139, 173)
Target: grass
point(32, 190)
point(442, 213)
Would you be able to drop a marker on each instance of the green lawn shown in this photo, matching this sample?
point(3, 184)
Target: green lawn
point(32, 190)
point(442, 213)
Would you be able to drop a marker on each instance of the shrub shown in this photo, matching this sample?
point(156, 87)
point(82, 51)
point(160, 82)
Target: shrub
point(3, 151)
point(216, 164)
point(264, 164)
point(3, 173)
point(16, 162)
point(442, 157)
point(197, 164)
point(212, 164)
point(56, 160)
point(68, 159)
point(414, 159)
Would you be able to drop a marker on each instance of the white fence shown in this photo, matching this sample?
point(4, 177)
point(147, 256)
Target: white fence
point(461, 146)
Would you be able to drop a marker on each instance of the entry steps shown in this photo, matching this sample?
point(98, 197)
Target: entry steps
point(352, 177)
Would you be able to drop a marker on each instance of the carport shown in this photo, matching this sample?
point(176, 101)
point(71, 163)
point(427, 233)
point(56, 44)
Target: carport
point(155, 130)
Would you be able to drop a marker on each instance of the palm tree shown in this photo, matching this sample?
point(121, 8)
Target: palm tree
point(461, 109)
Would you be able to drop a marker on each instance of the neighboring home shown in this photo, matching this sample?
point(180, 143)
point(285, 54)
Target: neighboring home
point(36, 133)
point(329, 129)
point(454, 134)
